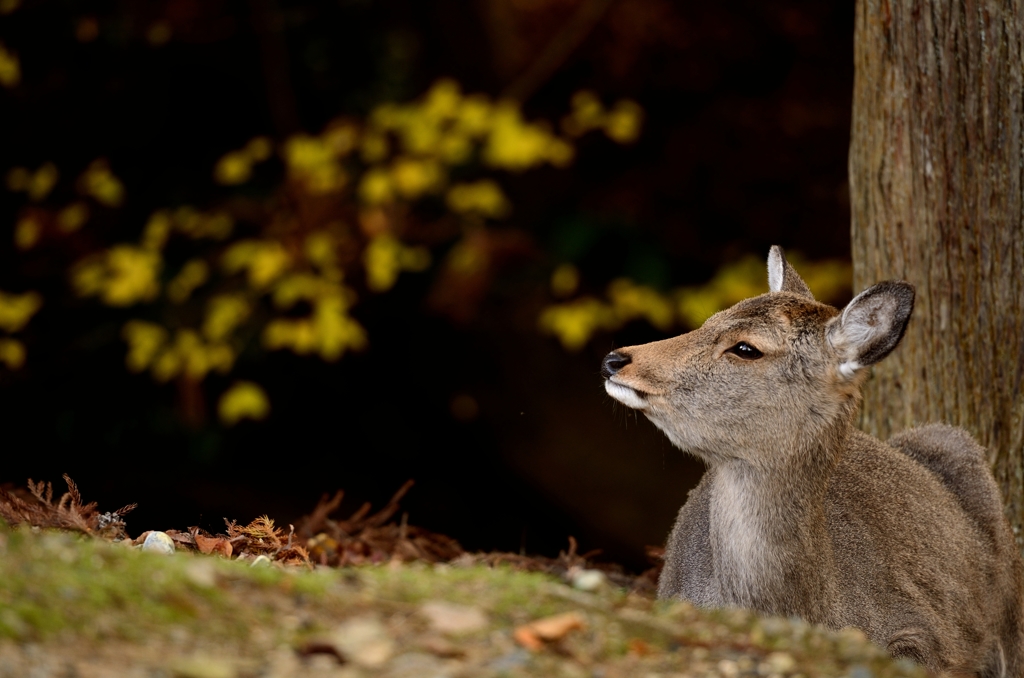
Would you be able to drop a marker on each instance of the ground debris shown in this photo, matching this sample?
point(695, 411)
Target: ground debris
point(319, 538)
point(36, 508)
point(533, 635)
point(569, 564)
point(84, 607)
point(370, 538)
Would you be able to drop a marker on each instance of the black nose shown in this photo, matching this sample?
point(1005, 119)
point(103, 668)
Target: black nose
point(613, 362)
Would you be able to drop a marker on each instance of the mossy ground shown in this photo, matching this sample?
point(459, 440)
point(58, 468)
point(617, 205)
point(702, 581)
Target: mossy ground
point(72, 606)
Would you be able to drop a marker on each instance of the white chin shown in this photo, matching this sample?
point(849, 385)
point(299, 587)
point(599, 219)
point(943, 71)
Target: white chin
point(624, 395)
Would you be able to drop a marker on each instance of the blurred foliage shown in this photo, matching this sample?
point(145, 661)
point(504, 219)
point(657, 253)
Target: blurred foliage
point(10, 67)
point(285, 271)
point(297, 231)
point(574, 322)
point(15, 312)
point(244, 400)
point(203, 288)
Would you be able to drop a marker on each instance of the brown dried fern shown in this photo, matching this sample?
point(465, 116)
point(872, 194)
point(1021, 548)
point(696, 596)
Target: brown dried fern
point(68, 513)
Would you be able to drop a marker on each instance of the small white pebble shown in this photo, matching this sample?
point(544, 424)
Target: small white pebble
point(588, 580)
point(158, 542)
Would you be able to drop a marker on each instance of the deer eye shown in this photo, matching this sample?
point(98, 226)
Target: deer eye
point(746, 351)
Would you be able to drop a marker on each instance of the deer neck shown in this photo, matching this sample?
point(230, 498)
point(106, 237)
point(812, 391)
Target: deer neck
point(769, 535)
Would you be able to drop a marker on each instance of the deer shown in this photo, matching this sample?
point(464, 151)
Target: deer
point(801, 513)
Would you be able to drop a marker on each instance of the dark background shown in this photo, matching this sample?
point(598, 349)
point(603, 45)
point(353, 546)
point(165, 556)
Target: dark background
point(744, 145)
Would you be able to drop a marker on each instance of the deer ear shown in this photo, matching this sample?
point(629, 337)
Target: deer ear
point(871, 325)
point(782, 277)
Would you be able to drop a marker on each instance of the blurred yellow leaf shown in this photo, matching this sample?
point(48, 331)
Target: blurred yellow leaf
point(413, 178)
point(297, 287)
point(27, 232)
point(336, 331)
point(513, 144)
point(157, 230)
point(12, 353)
point(132, 276)
point(167, 365)
point(88, 276)
point(193, 274)
point(220, 357)
point(234, 167)
point(474, 116)
point(72, 217)
point(8, 6)
point(454, 148)
point(385, 257)
point(341, 138)
point(374, 147)
point(421, 135)
point(303, 152)
point(443, 99)
point(312, 163)
point(224, 312)
point(190, 347)
point(258, 149)
point(17, 309)
point(187, 355)
point(630, 301)
point(330, 331)
point(516, 145)
point(830, 280)
point(10, 68)
point(320, 251)
point(482, 197)
point(243, 400)
point(42, 182)
point(264, 260)
point(376, 187)
point(100, 183)
point(576, 321)
point(623, 122)
point(144, 340)
point(122, 276)
point(587, 114)
point(216, 225)
point(565, 280)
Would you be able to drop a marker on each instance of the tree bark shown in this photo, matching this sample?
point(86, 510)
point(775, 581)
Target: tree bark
point(936, 163)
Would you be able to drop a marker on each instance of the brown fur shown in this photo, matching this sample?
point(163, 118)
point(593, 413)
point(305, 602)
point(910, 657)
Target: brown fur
point(799, 512)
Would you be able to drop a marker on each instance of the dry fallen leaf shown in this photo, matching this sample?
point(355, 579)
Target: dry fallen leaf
point(213, 545)
point(528, 639)
point(532, 635)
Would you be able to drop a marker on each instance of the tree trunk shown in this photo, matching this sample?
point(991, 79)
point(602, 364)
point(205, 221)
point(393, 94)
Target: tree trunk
point(936, 163)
